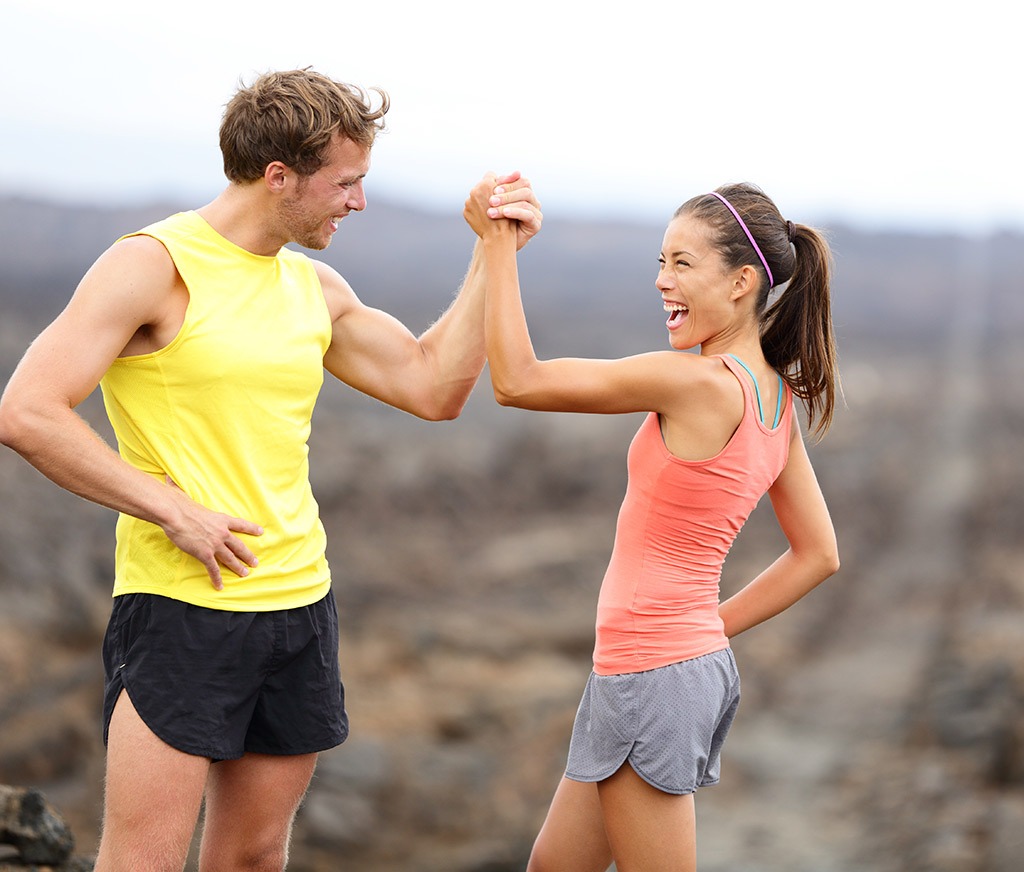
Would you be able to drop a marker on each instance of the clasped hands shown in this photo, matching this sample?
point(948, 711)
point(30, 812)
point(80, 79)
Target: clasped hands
point(504, 204)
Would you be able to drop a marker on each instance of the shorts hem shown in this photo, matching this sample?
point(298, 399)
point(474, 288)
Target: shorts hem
point(312, 748)
point(223, 754)
point(664, 788)
point(594, 779)
point(208, 753)
point(683, 791)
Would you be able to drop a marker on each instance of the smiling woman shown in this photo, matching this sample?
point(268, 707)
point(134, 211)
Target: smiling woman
point(720, 432)
point(795, 331)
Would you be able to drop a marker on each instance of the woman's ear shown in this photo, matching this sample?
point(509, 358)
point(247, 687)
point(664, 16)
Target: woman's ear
point(745, 280)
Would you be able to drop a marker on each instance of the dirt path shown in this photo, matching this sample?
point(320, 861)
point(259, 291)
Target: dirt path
point(797, 761)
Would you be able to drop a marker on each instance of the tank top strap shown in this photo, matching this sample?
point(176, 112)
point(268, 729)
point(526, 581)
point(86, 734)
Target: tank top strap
point(757, 394)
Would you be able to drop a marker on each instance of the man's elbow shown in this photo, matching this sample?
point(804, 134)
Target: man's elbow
point(443, 412)
point(15, 425)
point(447, 407)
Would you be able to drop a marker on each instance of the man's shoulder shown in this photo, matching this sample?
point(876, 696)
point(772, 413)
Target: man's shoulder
point(179, 225)
point(138, 260)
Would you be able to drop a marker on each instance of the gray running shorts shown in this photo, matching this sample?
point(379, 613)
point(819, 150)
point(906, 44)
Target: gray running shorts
point(669, 723)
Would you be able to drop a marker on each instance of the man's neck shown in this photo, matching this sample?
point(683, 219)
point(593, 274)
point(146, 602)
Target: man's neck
point(242, 216)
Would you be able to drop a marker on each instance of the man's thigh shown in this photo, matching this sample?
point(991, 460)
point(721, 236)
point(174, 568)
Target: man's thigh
point(152, 800)
point(250, 805)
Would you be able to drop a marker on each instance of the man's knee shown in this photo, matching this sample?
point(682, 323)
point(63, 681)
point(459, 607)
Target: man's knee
point(266, 855)
point(122, 848)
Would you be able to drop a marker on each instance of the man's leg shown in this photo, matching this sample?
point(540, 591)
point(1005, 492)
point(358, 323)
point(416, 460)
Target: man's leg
point(250, 806)
point(153, 795)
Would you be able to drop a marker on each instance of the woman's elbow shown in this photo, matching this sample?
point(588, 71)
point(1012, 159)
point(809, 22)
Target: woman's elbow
point(829, 562)
point(503, 397)
point(817, 562)
point(507, 391)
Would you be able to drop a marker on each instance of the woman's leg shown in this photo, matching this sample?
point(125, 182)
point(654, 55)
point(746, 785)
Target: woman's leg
point(648, 830)
point(572, 838)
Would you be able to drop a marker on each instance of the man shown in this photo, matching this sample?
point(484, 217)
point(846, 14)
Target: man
point(209, 340)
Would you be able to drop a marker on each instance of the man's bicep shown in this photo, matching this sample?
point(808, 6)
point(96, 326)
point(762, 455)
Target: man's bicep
point(370, 350)
point(375, 353)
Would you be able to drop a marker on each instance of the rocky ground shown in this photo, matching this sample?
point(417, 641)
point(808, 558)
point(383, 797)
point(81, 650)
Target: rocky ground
point(882, 727)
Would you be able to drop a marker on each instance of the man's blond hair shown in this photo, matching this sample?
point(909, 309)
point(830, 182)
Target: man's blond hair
point(293, 117)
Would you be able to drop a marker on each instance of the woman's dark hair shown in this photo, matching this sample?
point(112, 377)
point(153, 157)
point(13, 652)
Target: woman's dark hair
point(796, 328)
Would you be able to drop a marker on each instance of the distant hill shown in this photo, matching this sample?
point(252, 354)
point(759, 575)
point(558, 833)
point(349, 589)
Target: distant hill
point(409, 261)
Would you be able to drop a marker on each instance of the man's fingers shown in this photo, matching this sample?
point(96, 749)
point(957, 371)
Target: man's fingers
point(233, 554)
point(241, 552)
point(213, 570)
point(233, 564)
point(240, 525)
point(235, 557)
point(211, 538)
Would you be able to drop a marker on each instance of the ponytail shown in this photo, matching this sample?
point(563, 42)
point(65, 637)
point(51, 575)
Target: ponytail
point(796, 329)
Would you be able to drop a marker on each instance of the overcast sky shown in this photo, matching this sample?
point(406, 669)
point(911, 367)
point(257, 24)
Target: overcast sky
point(887, 114)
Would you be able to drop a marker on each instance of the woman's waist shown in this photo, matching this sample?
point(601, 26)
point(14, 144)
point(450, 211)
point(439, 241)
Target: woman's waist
point(653, 618)
point(641, 645)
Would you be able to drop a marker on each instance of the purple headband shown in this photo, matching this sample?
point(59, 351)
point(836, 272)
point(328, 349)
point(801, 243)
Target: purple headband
point(750, 236)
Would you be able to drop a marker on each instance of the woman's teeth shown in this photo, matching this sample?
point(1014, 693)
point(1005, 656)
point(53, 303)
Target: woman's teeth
point(677, 311)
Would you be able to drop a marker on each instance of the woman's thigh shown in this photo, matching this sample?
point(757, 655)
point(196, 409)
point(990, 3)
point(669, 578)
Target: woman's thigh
point(648, 830)
point(572, 838)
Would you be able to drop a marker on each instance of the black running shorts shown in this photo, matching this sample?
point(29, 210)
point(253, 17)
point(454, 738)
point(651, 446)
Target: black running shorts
point(219, 684)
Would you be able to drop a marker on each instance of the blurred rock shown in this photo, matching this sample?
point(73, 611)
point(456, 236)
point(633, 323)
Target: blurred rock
point(37, 832)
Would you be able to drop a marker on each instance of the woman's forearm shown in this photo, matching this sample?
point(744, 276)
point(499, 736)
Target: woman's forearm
point(509, 348)
point(782, 584)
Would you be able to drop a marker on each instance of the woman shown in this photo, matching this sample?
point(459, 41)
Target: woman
point(720, 432)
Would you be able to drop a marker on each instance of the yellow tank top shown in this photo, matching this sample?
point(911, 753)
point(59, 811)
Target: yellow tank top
point(224, 410)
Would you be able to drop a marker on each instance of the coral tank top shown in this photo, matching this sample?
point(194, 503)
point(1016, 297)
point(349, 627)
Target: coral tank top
point(660, 595)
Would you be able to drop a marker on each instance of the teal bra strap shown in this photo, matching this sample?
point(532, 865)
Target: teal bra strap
point(757, 393)
point(778, 405)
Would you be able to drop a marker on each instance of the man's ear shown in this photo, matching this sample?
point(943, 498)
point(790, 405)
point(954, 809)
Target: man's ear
point(276, 176)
